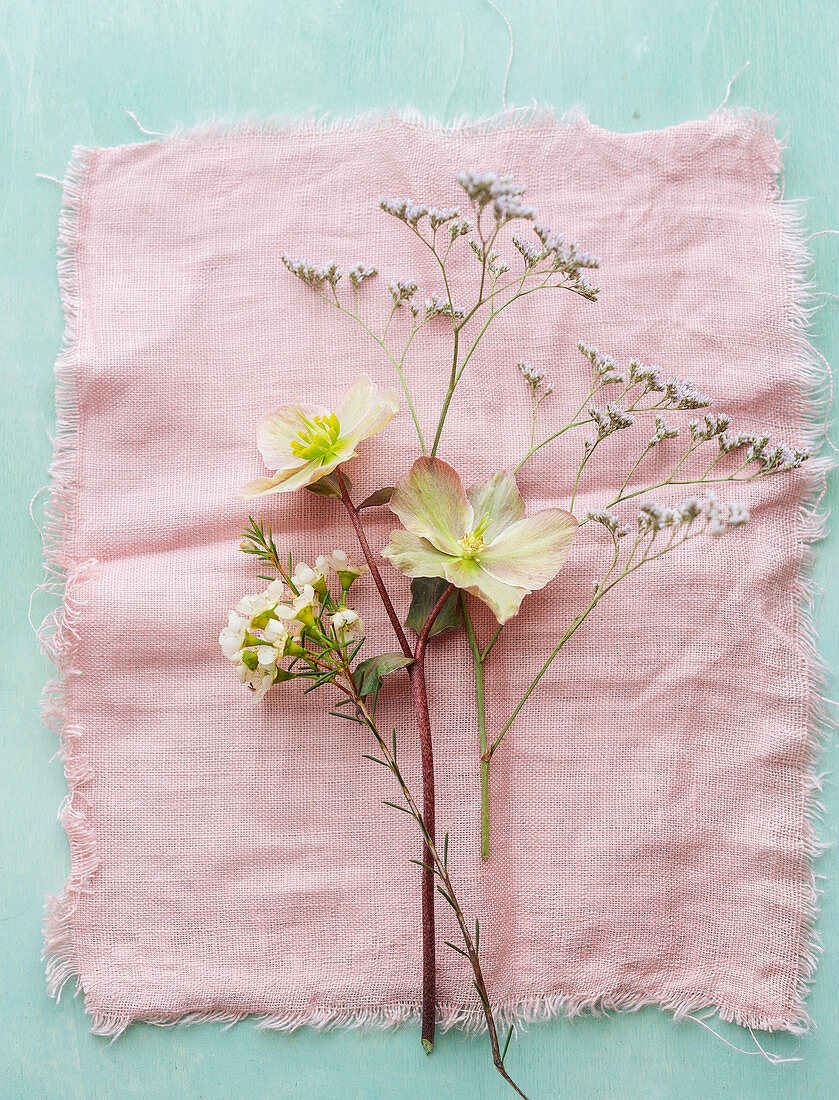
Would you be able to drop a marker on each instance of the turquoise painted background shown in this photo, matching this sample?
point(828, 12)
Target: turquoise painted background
point(70, 71)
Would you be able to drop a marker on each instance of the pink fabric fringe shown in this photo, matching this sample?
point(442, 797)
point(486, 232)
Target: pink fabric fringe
point(206, 882)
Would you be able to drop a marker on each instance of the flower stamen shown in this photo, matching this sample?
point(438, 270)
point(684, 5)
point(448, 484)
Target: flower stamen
point(317, 439)
point(472, 544)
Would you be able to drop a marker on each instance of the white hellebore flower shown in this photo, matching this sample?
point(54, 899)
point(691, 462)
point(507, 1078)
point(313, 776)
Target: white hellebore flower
point(302, 443)
point(477, 539)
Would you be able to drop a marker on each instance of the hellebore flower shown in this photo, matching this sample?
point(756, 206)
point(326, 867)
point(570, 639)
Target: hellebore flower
point(302, 443)
point(477, 540)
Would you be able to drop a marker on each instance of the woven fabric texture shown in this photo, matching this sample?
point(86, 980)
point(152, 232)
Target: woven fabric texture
point(650, 838)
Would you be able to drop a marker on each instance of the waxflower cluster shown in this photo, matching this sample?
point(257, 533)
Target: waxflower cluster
point(299, 620)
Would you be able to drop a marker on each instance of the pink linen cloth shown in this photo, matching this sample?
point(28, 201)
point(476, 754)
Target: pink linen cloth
point(650, 838)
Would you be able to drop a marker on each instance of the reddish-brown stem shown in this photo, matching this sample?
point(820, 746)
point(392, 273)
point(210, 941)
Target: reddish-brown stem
point(422, 640)
point(416, 676)
point(374, 569)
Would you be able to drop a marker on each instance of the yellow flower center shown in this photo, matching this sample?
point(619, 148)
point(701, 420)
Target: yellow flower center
point(472, 544)
point(317, 439)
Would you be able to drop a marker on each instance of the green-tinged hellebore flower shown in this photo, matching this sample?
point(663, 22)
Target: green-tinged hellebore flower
point(302, 443)
point(478, 540)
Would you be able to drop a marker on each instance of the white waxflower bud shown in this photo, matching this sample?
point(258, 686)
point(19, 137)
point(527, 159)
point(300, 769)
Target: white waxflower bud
point(303, 575)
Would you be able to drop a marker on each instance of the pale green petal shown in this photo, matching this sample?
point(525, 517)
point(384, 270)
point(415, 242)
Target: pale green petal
point(431, 502)
point(365, 409)
point(497, 500)
point(503, 599)
point(277, 429)
point(286, 481)
point(414, 556)
point(532, 551)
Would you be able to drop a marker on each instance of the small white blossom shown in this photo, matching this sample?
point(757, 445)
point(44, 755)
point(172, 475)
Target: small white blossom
point(259, 680)
point(347, 625)
point(345, 570)
point(232, 638)
point(267, 656)
point(304, 574)
point(302, 605)
point(251, 606)
point(277, 632)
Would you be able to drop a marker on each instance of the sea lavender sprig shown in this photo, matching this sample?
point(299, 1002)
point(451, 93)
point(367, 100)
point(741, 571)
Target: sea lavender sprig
point(535, 377)
point(694, 518)
point(552, 262)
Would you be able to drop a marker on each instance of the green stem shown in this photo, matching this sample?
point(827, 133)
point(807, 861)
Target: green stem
point(478, 659)
point(579, 473)
point(396, 363)
point(447, 400)
point(457, 371)
point(492, 641)
point(604, 587)
point(635, 466)
point(669, 481)
point(546, 665)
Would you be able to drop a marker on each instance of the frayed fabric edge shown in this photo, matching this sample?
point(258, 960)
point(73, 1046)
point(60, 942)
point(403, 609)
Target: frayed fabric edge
point(509, 1014)
point(815, 388)
point(531, 117)
point(65, 576)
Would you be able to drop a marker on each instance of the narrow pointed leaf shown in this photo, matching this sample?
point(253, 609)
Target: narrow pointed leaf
point(376, 760)
point(454, 947)
point(506, 1045)
point(377, 499)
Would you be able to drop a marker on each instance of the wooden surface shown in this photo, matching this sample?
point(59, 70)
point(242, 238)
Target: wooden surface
point(70, 70)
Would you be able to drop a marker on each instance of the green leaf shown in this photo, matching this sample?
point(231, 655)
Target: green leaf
point(506, 1045)
point(328, 486)
point(377, 499)
point(368, 674)
point(425, 592)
